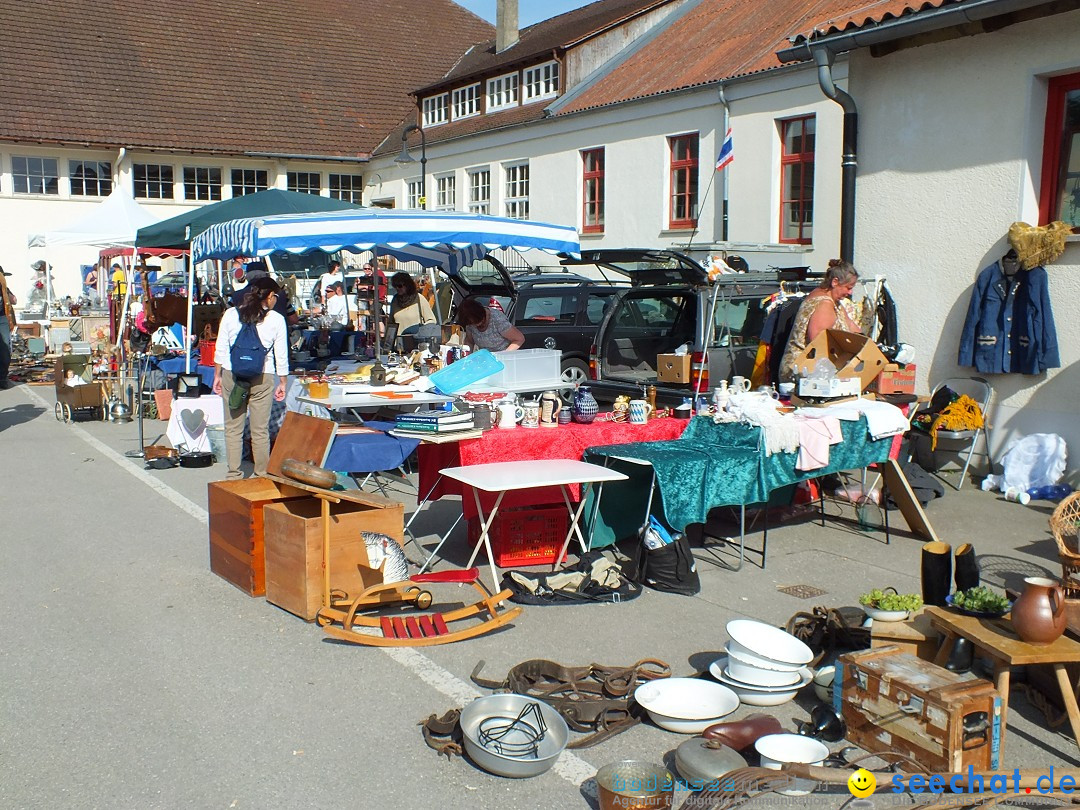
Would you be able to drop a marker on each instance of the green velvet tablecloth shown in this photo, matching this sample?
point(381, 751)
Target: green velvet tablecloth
point(710, 465)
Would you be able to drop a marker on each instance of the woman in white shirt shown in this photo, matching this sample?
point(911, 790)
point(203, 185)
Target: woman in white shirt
point(251, 397)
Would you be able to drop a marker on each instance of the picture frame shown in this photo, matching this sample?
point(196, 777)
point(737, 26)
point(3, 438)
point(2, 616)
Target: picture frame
point(391, 336)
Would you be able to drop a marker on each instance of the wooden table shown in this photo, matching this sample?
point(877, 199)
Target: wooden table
point(996, 639)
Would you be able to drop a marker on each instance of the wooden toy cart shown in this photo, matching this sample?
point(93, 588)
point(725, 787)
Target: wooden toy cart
point(86, 401)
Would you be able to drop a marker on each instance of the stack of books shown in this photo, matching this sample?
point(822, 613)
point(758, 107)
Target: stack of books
point(433, 425)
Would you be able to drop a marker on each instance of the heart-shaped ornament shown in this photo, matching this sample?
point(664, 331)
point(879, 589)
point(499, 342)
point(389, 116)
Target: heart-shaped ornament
point(193, 421)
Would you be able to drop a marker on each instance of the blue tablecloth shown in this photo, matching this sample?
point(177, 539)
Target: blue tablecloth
point(175, 365)
point(369, 452)
point(714, 465)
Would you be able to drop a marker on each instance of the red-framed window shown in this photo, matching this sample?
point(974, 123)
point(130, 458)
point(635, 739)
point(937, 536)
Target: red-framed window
point(592, 190)
point(1059, 196)
point(682, 211)
point(797, 180)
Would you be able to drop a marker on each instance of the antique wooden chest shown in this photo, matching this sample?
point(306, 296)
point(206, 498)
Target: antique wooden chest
point(236, 529)
point(895, 702)
point(294, 548)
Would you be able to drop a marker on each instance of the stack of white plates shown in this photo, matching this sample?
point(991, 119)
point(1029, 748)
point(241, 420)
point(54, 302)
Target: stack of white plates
point(764, 666)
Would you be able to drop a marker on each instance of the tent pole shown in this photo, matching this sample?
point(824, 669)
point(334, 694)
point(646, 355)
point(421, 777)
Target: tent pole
point(190, 307)
point(375, 308)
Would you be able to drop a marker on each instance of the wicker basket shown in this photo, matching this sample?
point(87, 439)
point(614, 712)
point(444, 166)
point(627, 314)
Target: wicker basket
point(1064, 523)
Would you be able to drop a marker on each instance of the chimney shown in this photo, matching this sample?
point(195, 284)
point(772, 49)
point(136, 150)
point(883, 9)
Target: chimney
point(506, 24)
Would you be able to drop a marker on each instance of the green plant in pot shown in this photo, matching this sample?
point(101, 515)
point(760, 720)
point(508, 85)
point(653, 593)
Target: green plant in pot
point(980, 601)
point(889, 606)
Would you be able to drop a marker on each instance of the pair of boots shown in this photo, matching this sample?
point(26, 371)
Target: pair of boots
point(937, 575)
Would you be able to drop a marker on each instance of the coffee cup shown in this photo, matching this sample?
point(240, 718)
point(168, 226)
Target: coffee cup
point(509, 415)
point(640, 411)
point(530, 413)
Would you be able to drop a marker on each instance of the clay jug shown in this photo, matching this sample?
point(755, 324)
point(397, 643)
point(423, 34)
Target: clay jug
point(1038, 616)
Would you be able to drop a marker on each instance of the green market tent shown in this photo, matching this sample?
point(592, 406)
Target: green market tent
point(178, 231)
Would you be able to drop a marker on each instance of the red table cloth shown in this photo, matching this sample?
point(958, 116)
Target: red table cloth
point(526, 444)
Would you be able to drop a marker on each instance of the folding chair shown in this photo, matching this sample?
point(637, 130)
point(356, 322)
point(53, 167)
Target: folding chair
point(979, 390)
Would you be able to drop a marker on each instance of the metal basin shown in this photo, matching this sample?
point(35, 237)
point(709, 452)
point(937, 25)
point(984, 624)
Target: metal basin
point(507, 756)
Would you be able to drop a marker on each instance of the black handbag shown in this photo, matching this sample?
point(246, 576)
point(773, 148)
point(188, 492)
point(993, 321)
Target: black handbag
point(671, 567)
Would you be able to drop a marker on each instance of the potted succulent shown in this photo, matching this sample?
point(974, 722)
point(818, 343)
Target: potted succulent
point(980, 601)
point(888, 605)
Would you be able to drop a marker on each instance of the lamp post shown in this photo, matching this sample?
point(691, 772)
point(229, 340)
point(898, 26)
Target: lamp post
point(405, 158)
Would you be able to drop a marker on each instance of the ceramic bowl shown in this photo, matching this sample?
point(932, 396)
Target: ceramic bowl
point(767, 641)
point(686, 705)
point(748, 656)
point(758, 695)
point(879, 615)
point(823, 681)
point(778, 749)
point(748, 673)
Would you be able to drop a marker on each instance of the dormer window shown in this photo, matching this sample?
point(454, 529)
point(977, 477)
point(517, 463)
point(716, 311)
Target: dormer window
point(540, 82)
point(502, 92)
point(467, 101)
point(436, 110)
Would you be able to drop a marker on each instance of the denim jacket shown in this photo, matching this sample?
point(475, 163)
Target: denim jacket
point(1010, 325)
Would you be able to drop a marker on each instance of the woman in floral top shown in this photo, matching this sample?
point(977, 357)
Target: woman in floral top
point(487, 328)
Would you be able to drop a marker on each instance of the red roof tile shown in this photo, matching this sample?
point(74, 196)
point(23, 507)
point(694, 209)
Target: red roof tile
point(322, 77)
point(843, 17)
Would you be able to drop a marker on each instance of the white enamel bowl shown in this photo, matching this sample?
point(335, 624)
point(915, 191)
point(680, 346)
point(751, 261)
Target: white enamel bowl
point(748, 672)
point(686, 705)
point(879, 615)
point(777, 749)
point(748, 656)
point(758, 695)
point(823, 681)
point(767, 641)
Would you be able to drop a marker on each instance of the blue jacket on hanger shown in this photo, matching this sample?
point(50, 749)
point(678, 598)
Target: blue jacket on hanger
point(1010, 325)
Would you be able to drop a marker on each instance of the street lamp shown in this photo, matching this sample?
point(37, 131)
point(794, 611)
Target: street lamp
point(405, 157)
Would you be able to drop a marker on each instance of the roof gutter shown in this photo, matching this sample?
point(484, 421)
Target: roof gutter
point(907, 26)
point(331, 158)
point(823, 59)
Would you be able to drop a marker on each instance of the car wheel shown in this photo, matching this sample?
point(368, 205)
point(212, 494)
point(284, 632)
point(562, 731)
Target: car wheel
point(574, 372)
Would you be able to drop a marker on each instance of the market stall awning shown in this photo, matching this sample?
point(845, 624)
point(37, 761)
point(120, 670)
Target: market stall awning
point(113, 221)
point(165, 253)
point(446, 239)
point(178, 231)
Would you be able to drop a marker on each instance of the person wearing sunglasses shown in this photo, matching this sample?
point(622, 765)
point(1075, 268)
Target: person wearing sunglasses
point(408, 309)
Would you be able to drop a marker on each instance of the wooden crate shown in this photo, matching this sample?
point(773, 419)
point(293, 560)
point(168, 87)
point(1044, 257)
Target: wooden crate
point(895, 702)
point(236, 529)
point(914, 636)
point(294, 555)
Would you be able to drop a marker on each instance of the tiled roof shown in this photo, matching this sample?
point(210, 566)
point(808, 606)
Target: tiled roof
point(319, 77)
point(867, 13)
point(542, 39)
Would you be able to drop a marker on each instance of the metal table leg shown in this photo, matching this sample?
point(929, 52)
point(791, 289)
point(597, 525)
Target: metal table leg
point(485, 538)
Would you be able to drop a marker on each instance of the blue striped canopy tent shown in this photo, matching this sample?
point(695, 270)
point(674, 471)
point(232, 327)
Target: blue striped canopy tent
point(447, 239)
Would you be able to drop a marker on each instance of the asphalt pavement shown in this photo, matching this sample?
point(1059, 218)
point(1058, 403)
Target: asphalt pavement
point(132, 676)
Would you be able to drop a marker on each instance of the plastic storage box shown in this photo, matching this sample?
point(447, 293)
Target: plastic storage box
point(526, 366)
point(527, 535)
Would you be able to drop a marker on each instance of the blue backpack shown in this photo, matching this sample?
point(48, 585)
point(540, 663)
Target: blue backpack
point(247, 354)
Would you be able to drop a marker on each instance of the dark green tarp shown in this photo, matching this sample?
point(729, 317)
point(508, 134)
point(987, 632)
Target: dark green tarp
point(178, 231)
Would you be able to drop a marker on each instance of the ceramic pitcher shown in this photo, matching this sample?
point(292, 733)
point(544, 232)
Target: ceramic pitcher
point(1038, 616)
point(585, 406)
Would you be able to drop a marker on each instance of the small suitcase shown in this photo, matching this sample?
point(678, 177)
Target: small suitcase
point(895, 702)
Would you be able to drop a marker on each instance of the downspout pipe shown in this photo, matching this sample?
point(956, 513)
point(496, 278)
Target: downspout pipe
point(723, 134)
point(823, 59)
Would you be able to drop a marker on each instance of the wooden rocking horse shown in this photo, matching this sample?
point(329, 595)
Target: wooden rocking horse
point(417, 630)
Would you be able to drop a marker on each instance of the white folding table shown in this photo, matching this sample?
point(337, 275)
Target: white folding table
point(505, 476)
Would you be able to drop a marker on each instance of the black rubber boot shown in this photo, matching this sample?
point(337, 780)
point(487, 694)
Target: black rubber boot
point(966, 571)
point(936, 572)
point(962, 656)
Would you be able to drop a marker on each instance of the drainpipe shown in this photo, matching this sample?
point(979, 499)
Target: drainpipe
point(723, 130)
point(823, 58)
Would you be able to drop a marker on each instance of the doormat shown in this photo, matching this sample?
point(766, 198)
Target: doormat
point(801, 591)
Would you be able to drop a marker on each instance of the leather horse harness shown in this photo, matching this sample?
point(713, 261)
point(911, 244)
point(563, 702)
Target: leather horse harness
point(593, 699)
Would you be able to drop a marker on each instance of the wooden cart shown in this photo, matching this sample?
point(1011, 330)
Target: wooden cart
point(85, 401)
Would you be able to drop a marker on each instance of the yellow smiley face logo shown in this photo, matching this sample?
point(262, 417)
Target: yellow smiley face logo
point(862, 783)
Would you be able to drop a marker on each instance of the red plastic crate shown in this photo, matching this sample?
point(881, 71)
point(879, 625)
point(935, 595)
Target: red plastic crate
point(528, 535)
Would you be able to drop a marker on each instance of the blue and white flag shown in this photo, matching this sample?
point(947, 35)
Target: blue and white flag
point(726, 153)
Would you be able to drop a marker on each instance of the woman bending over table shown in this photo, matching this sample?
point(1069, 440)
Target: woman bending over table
point(820, 310)
point(487, 328)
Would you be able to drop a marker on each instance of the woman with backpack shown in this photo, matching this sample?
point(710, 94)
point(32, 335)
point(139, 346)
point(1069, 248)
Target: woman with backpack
point(252, 347)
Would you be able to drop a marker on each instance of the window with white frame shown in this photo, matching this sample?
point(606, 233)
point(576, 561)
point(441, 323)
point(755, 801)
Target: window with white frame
point(541, 81)
point(90, 178)
point(516, 199)
point(153, 181)
point(435, 110)
point(35, 175)
point(348, 187)
point(467, 101)
point(445, 193)
point(502, 92)
point(202, 183)
point(248, 181)
point(304, 182)
point(415, 194)
point(480, 191)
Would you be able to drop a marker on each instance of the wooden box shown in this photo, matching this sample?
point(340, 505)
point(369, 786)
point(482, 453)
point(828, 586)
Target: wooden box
point(236, 529)
point(914, 636)
point(294, 548)
point(895, 702)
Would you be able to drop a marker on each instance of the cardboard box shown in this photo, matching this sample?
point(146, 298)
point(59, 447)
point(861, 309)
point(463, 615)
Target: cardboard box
point(294, 549)
point(673, 368)
point(852, 355)
point(896, 380)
